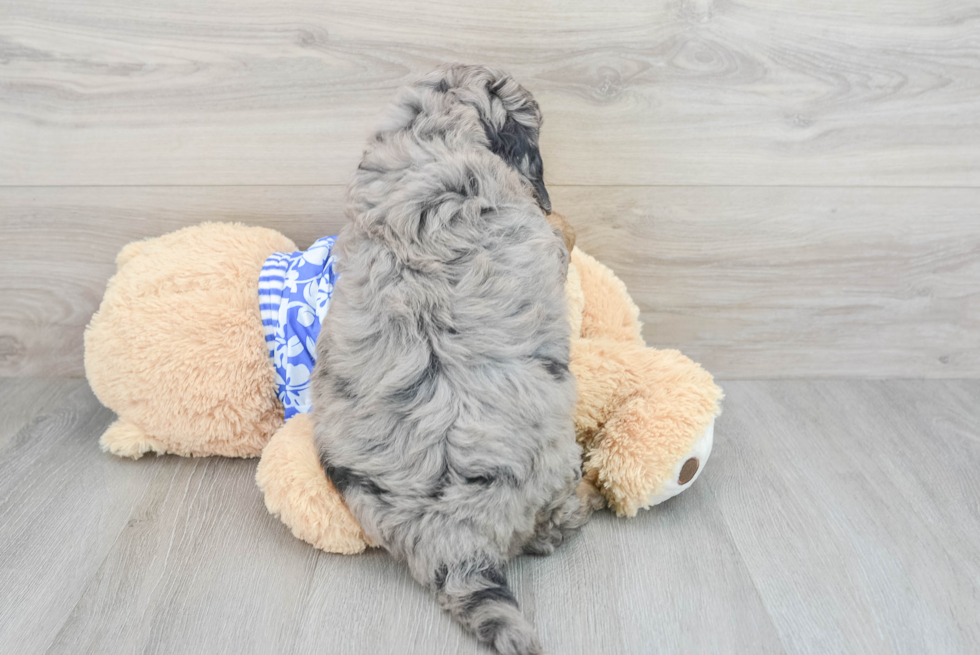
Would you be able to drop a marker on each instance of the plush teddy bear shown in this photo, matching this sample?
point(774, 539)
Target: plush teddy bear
point(179, 351)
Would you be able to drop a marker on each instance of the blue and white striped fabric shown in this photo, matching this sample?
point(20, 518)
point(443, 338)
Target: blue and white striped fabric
point(294, 295)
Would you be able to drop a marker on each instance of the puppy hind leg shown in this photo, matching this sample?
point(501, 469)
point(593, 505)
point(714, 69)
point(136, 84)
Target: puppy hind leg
point(557, 523)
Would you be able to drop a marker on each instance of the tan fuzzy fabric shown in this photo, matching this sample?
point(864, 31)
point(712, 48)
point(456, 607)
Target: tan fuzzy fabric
point(575, 300)
point(124, 439)
point(177, 348)
point(297, 491)
point(608, 312)
point(177, 351)
point(639, 412)
point(639, 409)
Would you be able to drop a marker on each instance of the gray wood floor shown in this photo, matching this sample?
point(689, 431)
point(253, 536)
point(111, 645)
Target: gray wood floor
point(834, 517)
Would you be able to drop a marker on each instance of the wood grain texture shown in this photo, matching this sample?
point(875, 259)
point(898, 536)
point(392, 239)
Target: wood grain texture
point(24, 399)
point(685, 92)
point(851, 508)
point(62, 504)
point(751, 282)
point(200, 567)
point(797, 282)
point(833, 516)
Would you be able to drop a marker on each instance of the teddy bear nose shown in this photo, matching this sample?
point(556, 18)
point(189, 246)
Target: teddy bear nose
point(688, 470)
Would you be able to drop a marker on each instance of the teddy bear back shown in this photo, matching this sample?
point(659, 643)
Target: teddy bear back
point(177, 348)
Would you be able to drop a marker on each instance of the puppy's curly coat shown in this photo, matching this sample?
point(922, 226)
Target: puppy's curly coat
point(443, 401)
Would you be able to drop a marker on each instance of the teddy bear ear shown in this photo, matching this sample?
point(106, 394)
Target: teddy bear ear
point(567, 231)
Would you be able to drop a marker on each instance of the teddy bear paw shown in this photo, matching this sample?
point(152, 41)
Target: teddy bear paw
point(123, 439)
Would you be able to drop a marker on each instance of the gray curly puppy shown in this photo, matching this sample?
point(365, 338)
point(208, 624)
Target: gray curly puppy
point(442, 397)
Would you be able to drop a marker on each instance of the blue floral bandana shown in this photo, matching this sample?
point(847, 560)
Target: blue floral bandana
point(294, 295)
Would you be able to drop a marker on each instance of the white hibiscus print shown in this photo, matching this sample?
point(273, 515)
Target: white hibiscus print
point(308, 285)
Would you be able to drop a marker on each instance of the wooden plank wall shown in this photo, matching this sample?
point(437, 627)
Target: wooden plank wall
point(788, 189)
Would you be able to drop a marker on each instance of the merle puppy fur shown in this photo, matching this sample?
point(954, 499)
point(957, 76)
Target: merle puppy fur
point(442, 397)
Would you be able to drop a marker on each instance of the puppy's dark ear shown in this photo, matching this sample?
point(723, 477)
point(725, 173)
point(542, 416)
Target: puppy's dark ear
point(517, 145)
point(536, 176)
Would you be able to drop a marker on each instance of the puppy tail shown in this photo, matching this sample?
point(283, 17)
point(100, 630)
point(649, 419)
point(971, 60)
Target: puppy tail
point(476, 593)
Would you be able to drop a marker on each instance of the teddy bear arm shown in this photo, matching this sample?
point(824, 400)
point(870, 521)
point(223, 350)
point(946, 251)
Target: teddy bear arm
point(601, 381)
point(298, 491)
